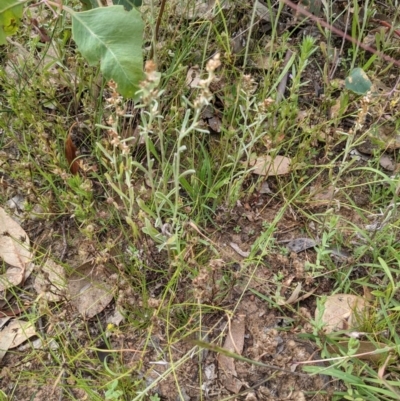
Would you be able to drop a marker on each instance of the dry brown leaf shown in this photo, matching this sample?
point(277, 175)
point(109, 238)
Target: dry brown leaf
point(6, 340)
point(54, 275)
point(116, 318)
point(14, 334)
point(298, 245)
point(89, 291)
point(11, 278)
point(210, 115)
point(14, 250)
point(14, 242)
point(3, 320)
point(266, 165)
point(341, 311)
point(387, 163)
point(215, 123)
point(193, 77)
point(234, 342)
point(265, 189)
point(263, 11)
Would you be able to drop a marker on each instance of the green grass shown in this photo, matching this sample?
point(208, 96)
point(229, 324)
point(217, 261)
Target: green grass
point(158, 214)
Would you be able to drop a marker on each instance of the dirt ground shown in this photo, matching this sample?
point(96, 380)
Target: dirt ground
point(271, 334)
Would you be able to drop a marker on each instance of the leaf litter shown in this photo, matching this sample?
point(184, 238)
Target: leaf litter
point(14, 334)
point(15, 252)
point(90, 289)
point(270, 166)
point(341, 311)
point(234, 342)
point(51, 281)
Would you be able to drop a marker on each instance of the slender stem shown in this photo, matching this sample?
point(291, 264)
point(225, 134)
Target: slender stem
point(160, 14)
point(156, 30)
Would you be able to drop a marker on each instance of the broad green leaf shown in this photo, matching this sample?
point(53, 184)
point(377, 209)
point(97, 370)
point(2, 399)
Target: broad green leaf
point(112, 36)
point(10, 15)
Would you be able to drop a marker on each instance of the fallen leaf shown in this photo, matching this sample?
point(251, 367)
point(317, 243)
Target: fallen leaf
point(116, 318)
point(3, 321)
point(11, 278)
point(14, 250)
point(15, 276)
point(211, 376)
point(193, 77)
point(298, 245)
point(17, 205)
point(14, 242)
point(210, 116)
point(6, 340)
point(263, 11)
point(237, 43)
point(266, 165)
point(215, 124)
point(209, 372)
point(54, 275)
point(89, 291)
point(39, 343)
point(14, 334)
point(11, 311)
point(341, 311)
point(234, 342)
point(387, 163)
point(265, 189)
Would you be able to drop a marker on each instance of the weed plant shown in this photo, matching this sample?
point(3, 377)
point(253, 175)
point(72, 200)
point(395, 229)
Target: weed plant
point(148, 200)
